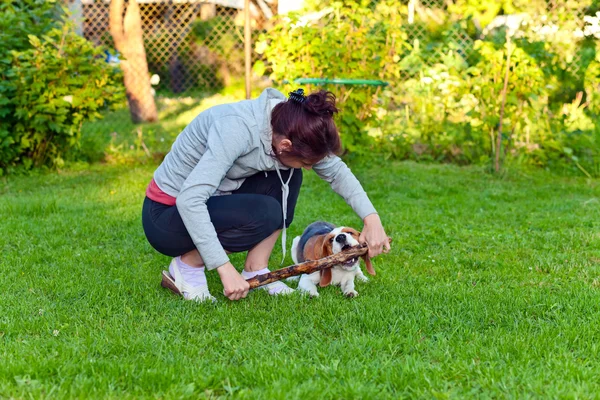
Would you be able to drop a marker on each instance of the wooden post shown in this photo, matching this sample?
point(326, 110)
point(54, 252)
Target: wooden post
point(127, 34)
point(308, 267)
point(208, 11)
point(247, 46)
point(504, 90)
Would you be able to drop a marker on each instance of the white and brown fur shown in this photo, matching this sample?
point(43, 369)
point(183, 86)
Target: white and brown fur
point(322, 239)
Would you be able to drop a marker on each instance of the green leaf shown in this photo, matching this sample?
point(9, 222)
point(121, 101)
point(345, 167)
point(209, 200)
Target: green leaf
point(34, 40)
point(259, 68)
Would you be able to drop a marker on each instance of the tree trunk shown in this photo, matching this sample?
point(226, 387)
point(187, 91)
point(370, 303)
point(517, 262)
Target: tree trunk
point(127, 34)
point(497, 165)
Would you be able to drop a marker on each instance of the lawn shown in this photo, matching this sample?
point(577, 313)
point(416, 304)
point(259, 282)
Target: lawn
point(492, 290)
point(116, 140)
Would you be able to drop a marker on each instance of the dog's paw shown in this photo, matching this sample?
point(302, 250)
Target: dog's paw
point(351, 294)
point(362, 278)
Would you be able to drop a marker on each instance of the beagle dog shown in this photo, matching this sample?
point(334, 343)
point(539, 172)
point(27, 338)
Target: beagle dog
point(322, 239)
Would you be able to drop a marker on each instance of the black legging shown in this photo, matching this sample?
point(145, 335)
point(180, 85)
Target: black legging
point(242, 219)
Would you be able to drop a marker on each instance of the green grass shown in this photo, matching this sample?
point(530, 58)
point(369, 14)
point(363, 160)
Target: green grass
point(116, 140)
point(492, 290)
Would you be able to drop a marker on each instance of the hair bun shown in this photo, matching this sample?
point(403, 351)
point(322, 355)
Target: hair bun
point(298, 96)
point(321, 103)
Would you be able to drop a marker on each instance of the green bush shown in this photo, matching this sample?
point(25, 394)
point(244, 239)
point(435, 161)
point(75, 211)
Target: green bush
point(353, 40)
point(20, 18)
point(592, 84)
point(219, 51)
point(445, 98)
point(50, 83)
point(451, 112)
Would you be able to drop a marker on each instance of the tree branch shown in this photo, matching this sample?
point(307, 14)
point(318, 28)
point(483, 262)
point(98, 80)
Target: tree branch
point(308, 267)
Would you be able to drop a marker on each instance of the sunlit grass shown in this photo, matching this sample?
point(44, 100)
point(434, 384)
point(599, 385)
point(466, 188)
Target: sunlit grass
point(492, 290)
point(115, 139)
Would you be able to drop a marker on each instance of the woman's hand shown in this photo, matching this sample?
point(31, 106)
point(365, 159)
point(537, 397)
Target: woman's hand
point(374, 235)
point(234, 286)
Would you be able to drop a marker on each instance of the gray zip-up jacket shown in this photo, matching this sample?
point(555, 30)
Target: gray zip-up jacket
point(219, 149)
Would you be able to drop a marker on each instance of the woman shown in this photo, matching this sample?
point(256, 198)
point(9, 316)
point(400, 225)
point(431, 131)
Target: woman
point(230, 184)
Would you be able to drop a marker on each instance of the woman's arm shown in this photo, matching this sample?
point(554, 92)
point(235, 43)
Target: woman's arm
point(334, 171)
point(374, 235)
point(227, 141)
point(343, 182)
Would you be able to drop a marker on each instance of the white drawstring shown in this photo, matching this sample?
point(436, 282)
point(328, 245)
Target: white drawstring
point(285, 189)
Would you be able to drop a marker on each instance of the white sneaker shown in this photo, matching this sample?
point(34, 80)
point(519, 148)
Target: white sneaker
point(173, 280)
point(275, 289)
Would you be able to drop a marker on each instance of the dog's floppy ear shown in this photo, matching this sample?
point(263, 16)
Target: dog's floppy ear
point(353, 232)
point(370, 268)
point(325, 277)
point(366, 257)
point(356, 235)
point(324, 246)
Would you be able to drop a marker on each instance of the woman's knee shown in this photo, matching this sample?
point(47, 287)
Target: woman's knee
point(272, 215)
point(263, 217)
point(263, 213)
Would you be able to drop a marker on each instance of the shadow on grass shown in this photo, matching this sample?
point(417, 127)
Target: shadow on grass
point(116, 137)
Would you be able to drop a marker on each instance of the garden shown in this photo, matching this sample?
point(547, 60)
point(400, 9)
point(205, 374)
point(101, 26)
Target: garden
point(481, 154)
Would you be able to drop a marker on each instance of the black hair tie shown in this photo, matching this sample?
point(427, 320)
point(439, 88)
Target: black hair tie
point(298, 96)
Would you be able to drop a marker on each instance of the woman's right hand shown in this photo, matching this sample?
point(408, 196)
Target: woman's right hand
point(235, 286)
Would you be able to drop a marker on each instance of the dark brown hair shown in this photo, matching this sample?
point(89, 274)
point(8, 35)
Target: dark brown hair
point(309, 126)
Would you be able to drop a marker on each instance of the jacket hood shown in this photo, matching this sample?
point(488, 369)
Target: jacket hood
point(262, 108)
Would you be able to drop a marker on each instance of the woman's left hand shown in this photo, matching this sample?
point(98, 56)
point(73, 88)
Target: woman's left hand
point(374, 235)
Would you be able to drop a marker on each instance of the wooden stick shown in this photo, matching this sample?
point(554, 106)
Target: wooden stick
point(308, 267)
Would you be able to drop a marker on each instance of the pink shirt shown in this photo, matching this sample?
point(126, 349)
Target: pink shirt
point(153, 192)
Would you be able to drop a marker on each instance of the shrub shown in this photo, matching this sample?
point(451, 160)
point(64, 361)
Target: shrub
point(445, 98)
point(20, 18)
point(216, 51)
point(353, 39)
point(49, 87)
point(451, 112)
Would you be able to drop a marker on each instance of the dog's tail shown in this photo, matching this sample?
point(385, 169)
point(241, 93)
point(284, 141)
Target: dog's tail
point(294, 252)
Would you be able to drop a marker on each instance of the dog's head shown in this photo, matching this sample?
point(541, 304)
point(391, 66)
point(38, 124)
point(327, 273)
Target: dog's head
point(339, 239)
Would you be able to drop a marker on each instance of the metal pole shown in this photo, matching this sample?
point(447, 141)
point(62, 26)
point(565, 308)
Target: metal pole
point(247, 46)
